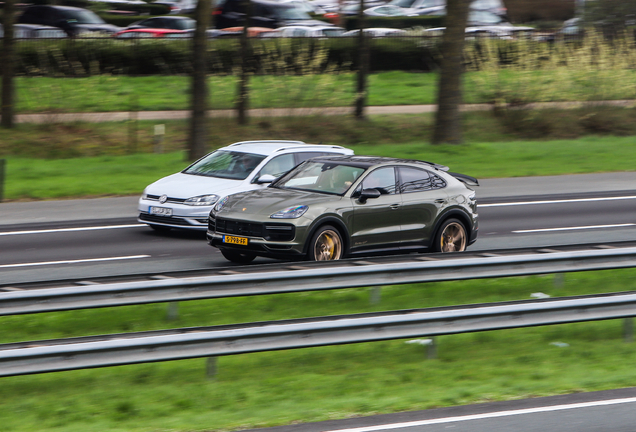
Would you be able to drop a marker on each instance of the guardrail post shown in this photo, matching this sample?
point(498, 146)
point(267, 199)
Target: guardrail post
point(628, 330)
point(558, 280)
point(431, 349)
point(375, 295)
point(210, 367)
point(173, 311)
point(3, 163)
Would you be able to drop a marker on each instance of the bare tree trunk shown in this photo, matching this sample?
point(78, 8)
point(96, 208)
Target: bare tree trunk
point(198, 126)
point(363, 66)
point(242, 102)
point(448, 120)
point(8, 64)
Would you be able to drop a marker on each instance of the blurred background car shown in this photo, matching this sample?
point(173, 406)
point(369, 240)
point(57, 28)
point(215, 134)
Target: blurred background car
point(35, 31)
point(72, 20)
point(302, 31)
point(165, 22)
point(184, 200)
point(149, 33)
point(377, 32)
point(270, 14)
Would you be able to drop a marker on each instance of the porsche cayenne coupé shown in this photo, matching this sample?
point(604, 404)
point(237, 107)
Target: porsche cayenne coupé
point(332, 207)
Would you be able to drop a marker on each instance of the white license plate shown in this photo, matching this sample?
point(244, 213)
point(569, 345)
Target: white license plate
point(161, 211)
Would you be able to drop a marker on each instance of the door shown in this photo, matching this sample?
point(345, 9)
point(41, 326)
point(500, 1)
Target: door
point(376, 221)
point(423, 196)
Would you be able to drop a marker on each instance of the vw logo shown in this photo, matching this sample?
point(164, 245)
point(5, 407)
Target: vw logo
point(163, 199)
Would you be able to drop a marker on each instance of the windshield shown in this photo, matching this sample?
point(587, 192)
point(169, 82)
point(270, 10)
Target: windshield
point(83, 17)
point(483, 18)
point(324, 177)
point(226, 164)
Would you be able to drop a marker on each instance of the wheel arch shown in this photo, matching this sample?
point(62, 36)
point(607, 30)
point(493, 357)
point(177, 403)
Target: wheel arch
point(451, 214)
point(336, 223)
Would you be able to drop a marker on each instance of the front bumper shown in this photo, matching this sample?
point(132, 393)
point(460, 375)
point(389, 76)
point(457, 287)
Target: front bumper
point(182, 216)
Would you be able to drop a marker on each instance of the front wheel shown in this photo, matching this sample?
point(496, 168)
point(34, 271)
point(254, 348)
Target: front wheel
point(326, 245)
point(238, 257)
point(451, 237)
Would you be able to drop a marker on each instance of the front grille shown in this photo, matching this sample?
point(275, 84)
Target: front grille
point(163, 219)
point(169, 200)
point(272, 232)
point(229, 226)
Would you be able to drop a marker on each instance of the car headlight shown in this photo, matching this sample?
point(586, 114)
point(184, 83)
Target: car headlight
point(144, 195)
point(290, 212)
point(219, 205)
point(203, 200)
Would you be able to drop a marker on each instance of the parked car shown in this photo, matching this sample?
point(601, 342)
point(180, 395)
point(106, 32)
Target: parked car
point(35, 31)
point(302, 31)
point(72, 20)
point(165, 22)
point(149, 33)
point(184, 199)
point(377, 32)
point(178, 6)
point(270, 14)
point(334, 207)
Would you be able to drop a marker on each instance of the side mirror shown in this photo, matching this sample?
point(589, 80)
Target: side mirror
point(368, 193)
point(265, 178)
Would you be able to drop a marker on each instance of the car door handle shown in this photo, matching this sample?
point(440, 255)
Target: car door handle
point(394, 206)
point(440, 201)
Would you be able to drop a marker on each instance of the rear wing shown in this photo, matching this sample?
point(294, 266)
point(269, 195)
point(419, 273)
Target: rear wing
point(470, 181)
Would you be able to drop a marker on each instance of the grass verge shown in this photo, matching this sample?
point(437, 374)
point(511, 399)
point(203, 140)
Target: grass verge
point(53, 161)
point(277, 388)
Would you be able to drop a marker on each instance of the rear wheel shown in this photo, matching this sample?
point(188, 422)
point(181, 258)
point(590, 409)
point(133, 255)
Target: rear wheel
point(451, 237)
point(238, 257)
point(326, 245)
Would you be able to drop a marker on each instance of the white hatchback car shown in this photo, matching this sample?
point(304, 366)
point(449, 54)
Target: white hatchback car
point(184, 199)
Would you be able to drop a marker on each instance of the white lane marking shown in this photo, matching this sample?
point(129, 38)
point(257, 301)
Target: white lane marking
point(487, 415)
point(574, 228)
point(44, 263)
point(578, 200)
point(45, 231)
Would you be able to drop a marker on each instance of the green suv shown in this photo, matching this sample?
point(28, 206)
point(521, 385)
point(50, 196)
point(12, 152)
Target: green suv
point(332, 207)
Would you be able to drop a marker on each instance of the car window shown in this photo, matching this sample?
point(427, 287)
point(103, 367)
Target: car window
point(278, 165)
point(324, 177)
point(225, 164)
point(382, 179)
point(418, 180)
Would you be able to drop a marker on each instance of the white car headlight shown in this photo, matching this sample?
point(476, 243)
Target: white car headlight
point(203, 200)
point(290, 212)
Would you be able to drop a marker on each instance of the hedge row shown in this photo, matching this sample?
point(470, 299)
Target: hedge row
point(81, 57)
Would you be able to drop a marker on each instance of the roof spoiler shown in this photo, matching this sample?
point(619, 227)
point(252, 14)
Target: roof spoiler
point(470, 181)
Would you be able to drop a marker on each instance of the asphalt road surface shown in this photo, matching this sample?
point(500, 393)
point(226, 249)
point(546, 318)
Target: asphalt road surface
point(88, 238)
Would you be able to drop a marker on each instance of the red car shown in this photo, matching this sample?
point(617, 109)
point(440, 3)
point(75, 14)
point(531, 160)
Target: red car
point(148, 33)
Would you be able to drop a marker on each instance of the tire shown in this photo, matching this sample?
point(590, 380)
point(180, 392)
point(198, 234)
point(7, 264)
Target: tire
point(238, 257)
point(451, 237)
point(326, 245)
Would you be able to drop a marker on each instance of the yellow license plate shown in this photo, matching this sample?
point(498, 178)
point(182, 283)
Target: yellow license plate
point(235, 240)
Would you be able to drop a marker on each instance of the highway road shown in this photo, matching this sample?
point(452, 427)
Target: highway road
point(90, 246)
point(607, 411)
point(88, 238)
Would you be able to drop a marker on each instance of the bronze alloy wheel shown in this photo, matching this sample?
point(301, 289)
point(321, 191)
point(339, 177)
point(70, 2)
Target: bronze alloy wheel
point(453, 237)
point(328, 245)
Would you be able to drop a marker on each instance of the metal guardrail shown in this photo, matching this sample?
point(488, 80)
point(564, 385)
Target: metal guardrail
point(357, 274)
point(111, 350)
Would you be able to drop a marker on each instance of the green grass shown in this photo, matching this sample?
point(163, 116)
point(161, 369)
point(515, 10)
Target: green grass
point(155, 93)
point(91, 160)
point(277, 388)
